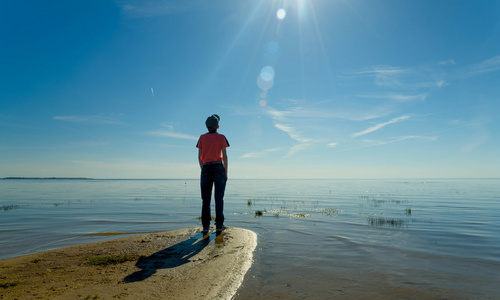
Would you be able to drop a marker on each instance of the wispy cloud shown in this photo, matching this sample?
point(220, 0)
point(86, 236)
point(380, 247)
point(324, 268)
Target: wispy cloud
point(478, 132)
point(301, 113)
point(448, 62)
point(251, 155)
point(298, 147)
point(399, 139)
point(90, 143)
point(480, 139)
point(384, 75)
point(487, 66)
point(431, 84)
point(407, 98)
point(423, 77)
point(155, 8)
point(171, 134)
point(288, 121)
point(374, 143)
point(398, 97)
point(112, 120)
point(261, 153)
point(382, 71)
point(276, 114)
point(313, 124)
point(380, 126)
point(391, 88)
point(292, 132)
point(295, 135)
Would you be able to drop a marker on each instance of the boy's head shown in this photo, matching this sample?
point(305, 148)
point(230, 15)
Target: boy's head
point(212, 123)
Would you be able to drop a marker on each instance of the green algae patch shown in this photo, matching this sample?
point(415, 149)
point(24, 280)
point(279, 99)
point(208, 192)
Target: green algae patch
point(115, 233)
point(7, 284)
point(110, 260)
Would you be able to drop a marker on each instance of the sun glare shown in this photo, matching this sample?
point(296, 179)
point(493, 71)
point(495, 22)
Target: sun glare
point(281, 14)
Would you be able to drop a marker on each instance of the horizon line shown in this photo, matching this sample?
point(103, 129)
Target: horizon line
point(294, 178)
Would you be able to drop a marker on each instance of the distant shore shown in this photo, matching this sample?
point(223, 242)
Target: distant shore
point(47, 178)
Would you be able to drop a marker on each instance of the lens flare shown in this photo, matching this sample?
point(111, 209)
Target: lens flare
point(267, 73)
point(265, 81)
point(263, 84)
point(281, 14)
point(263, 102)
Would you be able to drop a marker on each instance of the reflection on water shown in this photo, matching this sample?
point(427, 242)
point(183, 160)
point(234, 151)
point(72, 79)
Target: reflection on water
point(317, 238)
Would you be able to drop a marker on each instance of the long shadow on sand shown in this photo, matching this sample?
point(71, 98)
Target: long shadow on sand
point(171, 257)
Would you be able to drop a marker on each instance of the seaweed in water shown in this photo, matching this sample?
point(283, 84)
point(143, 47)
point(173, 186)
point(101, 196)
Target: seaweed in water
point(381, 222)
point(10, 207)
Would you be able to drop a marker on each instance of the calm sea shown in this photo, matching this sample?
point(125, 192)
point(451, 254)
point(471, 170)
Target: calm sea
point(318, 239)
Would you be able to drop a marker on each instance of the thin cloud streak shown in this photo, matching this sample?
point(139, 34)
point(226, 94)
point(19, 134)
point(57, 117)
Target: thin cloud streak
point(89, 119)
point(403, 138)
point(448, 62)
point(303, 112)
point(260, 154)
point(303, 142)
point(398, 97)
point(405, 98)
point(487, 66)
point(171, 134)
point(291, 132)
point(154, 8)
point(296, 148)
point(372, 143)
point(381, 71)
point(384, 75)
point(291, 119)
point(380, 126)
point(395, 77)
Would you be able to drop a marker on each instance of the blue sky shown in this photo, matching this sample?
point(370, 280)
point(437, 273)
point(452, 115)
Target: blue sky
point(304, 88)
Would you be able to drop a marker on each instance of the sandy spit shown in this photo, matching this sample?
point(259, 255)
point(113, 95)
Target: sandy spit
point(179, 264)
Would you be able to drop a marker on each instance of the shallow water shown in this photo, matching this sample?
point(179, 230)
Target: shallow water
point(318, 239)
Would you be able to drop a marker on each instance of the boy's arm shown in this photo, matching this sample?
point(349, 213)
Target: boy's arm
point(224, 159)
point(199, 158)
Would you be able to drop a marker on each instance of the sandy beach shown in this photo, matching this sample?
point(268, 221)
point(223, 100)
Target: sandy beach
point(179, 264)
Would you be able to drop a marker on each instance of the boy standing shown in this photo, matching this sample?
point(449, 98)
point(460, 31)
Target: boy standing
point(213, 163)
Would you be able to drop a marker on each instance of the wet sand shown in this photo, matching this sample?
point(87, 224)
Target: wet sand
point(179, 264)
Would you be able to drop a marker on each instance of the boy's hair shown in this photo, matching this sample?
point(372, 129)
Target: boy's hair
point(212, 123)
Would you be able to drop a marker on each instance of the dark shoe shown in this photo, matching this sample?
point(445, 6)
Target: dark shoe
point(220, 228)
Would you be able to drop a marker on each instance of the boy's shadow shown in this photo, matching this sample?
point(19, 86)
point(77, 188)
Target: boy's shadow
point(170, 257)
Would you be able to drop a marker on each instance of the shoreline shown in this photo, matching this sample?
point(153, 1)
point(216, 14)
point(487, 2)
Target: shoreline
point(164, 265)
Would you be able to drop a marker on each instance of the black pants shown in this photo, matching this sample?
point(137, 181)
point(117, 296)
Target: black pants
point(213, 175)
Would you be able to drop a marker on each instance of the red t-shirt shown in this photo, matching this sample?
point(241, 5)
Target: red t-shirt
point(211, 145)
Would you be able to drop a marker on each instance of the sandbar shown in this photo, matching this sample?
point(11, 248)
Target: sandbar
point(178, 264)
